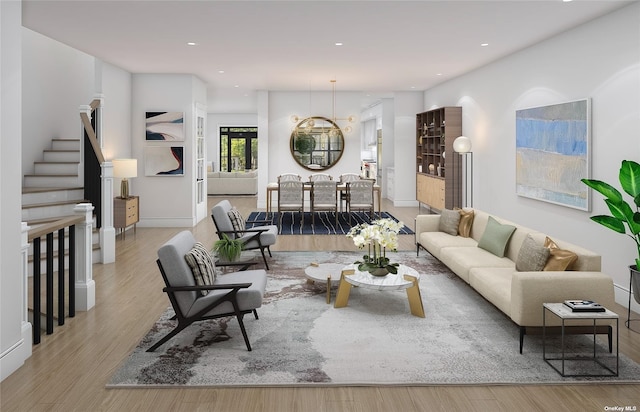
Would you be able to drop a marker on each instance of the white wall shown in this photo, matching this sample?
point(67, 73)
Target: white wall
point(15, 335)
point(56, 81)
point(115, 86)
point(406, 105)
point(282, 105)
point(165, 201)
point(599, 60)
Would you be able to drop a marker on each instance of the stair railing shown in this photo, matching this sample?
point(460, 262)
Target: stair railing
point(93, 158)
point(80, 286)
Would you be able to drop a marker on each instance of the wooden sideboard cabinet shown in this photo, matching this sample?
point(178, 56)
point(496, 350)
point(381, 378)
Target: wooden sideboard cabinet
point(430, 191)
point(126, 213)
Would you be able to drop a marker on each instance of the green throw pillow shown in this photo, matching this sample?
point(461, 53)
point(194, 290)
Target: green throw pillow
point(496, 237)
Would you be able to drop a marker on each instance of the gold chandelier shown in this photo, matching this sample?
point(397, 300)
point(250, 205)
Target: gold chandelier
point(308, 123)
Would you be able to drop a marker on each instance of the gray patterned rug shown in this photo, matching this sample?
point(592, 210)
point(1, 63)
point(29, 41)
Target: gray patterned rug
point(300, 340)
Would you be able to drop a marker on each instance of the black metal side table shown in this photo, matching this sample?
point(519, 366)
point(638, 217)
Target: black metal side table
point(565, 314)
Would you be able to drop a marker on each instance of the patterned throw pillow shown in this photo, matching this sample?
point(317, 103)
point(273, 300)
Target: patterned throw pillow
point(531, 257)
point(559, 259)
point(202, 265)
point(237, 221)
point(496, 237)
point(449, 220)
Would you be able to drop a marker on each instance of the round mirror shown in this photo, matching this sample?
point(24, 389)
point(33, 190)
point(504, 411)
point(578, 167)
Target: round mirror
point(316, 143)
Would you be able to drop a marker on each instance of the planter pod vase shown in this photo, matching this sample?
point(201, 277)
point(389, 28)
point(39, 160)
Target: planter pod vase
point(634, 282)
point(379, 272)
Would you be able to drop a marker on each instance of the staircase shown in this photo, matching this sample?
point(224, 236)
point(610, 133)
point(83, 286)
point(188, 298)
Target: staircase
point(54, 189)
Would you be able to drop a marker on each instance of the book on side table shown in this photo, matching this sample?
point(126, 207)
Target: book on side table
point(584, 306)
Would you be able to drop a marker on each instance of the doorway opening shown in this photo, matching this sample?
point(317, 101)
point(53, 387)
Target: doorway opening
point(238, 149)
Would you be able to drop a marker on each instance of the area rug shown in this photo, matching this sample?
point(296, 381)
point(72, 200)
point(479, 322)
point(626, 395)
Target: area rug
point(325, 222)
point(300, 340)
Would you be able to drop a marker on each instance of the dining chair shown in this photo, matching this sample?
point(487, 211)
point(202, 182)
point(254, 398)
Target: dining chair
point(343, 179)
point(285, 177)
point(290, 199)
point(360, 196)
point(324, 198)
point(315, 177)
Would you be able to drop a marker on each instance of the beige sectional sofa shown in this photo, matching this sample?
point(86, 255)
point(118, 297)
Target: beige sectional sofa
point(232, 183)
point(519, 294)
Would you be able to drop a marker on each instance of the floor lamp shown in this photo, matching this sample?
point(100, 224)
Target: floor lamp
point(462, 145)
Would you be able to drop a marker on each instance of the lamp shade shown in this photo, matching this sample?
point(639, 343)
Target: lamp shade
point(125, 168)
point(462, 144)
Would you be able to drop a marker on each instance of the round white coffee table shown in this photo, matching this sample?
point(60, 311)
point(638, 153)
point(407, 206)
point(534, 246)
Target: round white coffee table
point(406, 278)
point(324, 272)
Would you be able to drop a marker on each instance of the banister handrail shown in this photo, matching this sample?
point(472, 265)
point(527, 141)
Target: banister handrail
point(54, 226)
point(91, 134)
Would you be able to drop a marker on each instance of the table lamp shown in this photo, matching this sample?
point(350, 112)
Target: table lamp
point(125, 169)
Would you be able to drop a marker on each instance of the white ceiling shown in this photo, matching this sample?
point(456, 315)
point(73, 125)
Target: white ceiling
point(290, 45)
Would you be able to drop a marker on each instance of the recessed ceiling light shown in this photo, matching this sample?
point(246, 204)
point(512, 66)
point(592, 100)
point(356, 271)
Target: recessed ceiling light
point(438, 74)
point(192, 43)
point(566, 1)
point(339, 43)
point(236, 86)
point(221, 71)
point(413, 87)
point(484, 44)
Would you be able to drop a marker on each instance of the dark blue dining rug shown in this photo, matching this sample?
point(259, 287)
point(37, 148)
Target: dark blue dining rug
point(325, 223)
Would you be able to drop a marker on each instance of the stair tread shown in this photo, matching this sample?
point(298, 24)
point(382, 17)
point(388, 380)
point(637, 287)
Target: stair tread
point(51, 175)
point(54, 162)
point(58, 203)
point(48, 189)
point(61, 150)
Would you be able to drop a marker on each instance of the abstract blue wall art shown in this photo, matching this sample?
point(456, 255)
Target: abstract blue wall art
point(167, 126)
point(552, 153)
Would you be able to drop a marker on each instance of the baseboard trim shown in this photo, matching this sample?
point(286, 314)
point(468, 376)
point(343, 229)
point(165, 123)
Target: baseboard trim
point(14, 357)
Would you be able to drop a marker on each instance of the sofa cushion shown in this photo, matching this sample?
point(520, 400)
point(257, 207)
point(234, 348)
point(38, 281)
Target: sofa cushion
point(559, 259)
point(466, 221)
point(449, 220)
point(495, 237)
point(202, 266)
point(237, 221)
point(532, 256)
point(494, 284)
point(435, 241)
point(248, 298)
point(462, 259)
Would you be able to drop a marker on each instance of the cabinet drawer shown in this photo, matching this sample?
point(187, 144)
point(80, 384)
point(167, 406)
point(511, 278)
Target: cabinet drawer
point(125, 212)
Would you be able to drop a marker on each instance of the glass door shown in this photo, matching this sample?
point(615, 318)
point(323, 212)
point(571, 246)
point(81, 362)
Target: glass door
point(238, 148)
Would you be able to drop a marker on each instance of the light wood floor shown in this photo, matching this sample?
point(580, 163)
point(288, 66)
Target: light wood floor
point(69, 369)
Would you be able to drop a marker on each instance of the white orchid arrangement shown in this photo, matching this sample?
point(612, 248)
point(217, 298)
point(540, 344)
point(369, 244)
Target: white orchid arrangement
point(380, 235)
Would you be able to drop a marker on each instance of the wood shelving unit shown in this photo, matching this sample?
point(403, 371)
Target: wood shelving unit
point(438, 167)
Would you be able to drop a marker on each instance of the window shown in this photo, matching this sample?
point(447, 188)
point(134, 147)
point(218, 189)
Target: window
point(238, 148)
